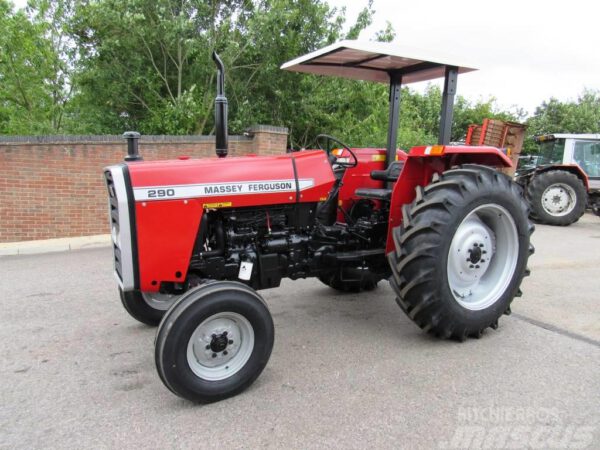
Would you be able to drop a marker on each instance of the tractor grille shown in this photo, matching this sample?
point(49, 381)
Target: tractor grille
point(113, 213)
point(120, 225)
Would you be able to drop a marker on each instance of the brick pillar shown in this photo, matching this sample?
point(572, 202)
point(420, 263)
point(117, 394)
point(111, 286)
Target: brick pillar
point(268, 140)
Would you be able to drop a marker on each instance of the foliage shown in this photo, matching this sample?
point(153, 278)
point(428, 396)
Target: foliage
point(24, 98)
point(104, 66)
point(553, 116)
point(35, 67)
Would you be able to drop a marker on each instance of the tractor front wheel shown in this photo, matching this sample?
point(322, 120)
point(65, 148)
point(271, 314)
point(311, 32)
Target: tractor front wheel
point(461, 252)
point(214, 341)
point(147, 307)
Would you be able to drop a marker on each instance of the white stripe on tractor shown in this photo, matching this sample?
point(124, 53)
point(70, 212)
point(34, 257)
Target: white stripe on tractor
point(219, 189)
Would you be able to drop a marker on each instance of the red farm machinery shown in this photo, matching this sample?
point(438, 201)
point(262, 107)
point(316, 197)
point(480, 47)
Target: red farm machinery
point(194, 240)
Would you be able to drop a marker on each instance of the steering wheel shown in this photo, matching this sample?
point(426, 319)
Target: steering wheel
point(333, 158)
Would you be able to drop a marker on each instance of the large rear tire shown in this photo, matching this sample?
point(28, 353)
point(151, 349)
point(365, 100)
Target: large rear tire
point(214, 341)
point(146, 307)
point(461, 252)
point(557, 197)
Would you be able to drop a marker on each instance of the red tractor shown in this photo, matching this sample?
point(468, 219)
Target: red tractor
point(194, 240)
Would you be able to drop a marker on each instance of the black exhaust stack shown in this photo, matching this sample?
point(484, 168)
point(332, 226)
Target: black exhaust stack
point(220, 109)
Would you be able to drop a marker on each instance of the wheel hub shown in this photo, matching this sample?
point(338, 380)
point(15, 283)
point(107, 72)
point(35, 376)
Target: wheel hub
point(475, 253)
point(472, 248)
point(219, 343)
point(220, 346)
point(482, 256)
point(558, 199)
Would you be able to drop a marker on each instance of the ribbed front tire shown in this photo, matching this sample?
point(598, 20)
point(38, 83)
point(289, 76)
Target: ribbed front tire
point(214, 341)
point(461, 252)
point(147, 308)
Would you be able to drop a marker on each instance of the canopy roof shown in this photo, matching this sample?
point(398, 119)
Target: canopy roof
point(548, 137)
point(375, 61)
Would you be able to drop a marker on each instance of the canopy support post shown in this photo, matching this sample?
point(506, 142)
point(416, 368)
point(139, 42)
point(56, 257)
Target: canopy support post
point(392, 138)
point(450, 77)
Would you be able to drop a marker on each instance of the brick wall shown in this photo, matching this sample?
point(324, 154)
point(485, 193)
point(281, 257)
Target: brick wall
point(52, 186)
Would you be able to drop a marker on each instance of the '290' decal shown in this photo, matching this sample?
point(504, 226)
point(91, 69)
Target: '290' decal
point(160, 193)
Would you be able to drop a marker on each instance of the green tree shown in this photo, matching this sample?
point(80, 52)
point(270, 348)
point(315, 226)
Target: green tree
point(35, 55)
point(25, 71)
point(554, 116)
point(580, 116)
point(146, 64)
point(104, 66)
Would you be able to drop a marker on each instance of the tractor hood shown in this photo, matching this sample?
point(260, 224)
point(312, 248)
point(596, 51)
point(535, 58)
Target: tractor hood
point(234, 181)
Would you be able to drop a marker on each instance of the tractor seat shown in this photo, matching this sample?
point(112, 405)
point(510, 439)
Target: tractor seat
point(390, 174)
point(384, 195)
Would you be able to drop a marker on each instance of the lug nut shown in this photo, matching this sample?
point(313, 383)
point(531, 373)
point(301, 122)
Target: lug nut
point(471, 266)
point(207, 347)
point(481, 245)
point(225, 352)
point(477, 266)
point(214, 355)
point(230, 341)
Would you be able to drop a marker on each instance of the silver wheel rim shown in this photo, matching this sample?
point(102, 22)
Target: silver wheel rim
point(159, 301)
point(483, 257)
point(559, 199)
point(220, 346)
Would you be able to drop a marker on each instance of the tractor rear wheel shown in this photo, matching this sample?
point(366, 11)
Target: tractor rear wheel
point(146, 307)
point(557, 197)
point(461, 252)
point(214, 341)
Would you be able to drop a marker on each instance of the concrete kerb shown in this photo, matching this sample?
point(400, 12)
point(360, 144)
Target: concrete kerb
point(54, 245)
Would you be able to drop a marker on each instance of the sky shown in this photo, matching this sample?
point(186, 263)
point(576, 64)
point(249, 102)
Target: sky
point(527, 50)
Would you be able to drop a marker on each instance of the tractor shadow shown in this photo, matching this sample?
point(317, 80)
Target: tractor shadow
point(305, 306)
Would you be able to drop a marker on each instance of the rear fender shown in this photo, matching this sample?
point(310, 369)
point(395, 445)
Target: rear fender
point(455, 155)
point(575, 169)
point(423, 162)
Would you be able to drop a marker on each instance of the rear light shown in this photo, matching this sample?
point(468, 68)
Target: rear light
point(545, 138)
point(434, 150)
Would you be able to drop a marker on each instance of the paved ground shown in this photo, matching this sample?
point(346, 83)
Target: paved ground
point(346, 371)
